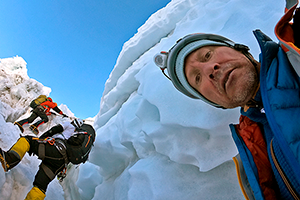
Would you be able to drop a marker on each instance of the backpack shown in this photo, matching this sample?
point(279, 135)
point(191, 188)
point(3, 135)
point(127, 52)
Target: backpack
point(80, 144)
point(41, 99)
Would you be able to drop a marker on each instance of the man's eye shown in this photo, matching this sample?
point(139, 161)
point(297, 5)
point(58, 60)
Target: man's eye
point(197, 78)
point(207, 55)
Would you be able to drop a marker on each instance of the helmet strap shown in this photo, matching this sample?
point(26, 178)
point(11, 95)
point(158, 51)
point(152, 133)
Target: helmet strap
point(245, 50)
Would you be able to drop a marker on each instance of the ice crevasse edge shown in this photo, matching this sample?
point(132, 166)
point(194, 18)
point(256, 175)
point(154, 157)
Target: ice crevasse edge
point(173, 141)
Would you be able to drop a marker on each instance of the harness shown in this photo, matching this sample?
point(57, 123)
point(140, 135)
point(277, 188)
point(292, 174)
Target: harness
point(61, 147)
point(39, 108)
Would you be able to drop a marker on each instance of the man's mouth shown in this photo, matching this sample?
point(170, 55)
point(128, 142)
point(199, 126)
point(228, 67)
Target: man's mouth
point(226, 78)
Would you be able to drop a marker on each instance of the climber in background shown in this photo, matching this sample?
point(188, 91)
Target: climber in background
point(68, 142)
point(41, 108)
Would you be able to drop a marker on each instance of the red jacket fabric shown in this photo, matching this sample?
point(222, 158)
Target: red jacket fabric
point(50, 105)
point(253, 138)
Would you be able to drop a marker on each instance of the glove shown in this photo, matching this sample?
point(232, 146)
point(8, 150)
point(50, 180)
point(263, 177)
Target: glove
point(64, 115)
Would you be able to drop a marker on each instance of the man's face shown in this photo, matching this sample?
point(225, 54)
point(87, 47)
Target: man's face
point(222, 75)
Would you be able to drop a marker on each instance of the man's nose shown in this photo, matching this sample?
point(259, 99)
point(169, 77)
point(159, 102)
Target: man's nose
point(214, 71)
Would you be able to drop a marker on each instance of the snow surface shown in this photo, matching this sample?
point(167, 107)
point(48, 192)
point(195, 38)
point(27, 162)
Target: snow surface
point(152, 141)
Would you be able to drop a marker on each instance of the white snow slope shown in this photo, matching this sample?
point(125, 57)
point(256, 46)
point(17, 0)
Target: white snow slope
point(152, 141)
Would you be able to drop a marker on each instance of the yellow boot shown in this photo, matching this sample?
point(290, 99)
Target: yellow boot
point(15, 154)
point(35, 194)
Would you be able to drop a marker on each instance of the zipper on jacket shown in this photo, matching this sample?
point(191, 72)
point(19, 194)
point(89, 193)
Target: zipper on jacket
point(282, 175)
point(237, 167)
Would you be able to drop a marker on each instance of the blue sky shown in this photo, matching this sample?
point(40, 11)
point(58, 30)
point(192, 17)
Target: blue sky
point(71, 46)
